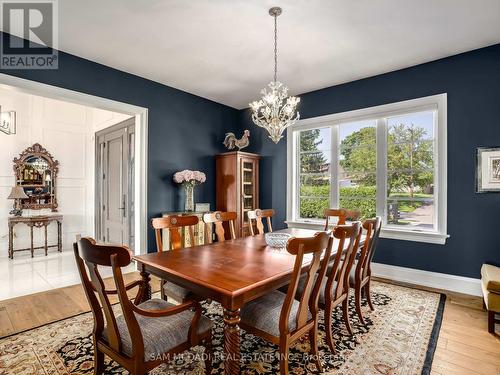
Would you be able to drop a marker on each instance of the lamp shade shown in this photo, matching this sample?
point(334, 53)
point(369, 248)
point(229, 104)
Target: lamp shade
point(17, 192)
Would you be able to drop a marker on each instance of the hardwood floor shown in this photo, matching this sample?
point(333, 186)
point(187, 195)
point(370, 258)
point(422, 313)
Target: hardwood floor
point(27, 312)
point(464, 345)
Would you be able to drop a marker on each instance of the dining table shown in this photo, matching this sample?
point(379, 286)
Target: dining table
point(232, 272)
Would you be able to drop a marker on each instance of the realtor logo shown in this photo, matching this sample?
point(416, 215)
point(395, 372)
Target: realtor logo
point(29, 38)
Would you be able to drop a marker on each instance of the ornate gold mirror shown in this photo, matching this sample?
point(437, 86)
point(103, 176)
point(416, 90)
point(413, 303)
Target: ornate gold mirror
point(36, 172)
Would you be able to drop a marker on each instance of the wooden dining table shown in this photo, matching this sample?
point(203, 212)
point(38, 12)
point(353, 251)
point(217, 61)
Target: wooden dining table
point(233, 273)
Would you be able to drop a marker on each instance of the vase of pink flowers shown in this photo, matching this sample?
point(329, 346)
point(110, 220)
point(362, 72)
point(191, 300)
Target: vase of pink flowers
point(189, 179)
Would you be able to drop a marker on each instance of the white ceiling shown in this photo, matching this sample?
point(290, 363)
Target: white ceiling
point(222, 49)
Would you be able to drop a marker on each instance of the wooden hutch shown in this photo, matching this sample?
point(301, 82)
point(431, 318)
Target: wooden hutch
point(237, 186)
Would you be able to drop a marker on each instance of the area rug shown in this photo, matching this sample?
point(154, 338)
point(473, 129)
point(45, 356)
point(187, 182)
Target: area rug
point(399, 338)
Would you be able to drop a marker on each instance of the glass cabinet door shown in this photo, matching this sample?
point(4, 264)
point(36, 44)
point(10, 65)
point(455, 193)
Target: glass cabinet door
point(248, 189)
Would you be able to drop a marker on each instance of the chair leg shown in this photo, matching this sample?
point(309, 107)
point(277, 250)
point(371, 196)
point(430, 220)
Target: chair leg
point(162, 290)
point(345, 312)
point(208, 355)
point(283, 350)
point(369, 295)
point(491, 321)
point(98, 361)
point(357, 298)
point(313, 335)
point(139, 369)
point(329, 327)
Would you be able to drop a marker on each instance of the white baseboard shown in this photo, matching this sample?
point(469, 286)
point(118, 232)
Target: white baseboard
point(460, 284)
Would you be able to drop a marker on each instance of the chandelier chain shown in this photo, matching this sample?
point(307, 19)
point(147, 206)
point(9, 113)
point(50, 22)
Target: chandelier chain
point(275, 47)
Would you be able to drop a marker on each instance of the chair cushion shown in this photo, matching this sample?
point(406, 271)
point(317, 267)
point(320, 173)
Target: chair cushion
point(159, 334)
point(264, 313)
point(491, 299)
point(490, 277)
point(176, 292)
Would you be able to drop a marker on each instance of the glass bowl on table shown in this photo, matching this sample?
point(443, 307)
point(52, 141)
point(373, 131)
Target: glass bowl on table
point(277, 240)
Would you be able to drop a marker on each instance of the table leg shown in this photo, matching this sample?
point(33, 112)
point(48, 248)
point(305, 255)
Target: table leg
point(46, 245)
point(146, 286)
point(59, 236)
point(31, 236)
point(231, 342)
point(11, 241)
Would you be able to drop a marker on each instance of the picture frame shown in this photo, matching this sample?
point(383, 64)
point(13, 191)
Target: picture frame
point(488, 170)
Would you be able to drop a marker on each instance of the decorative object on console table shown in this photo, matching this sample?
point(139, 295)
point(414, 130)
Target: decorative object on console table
point(237, 186)
point(35, 222)
point(202, 207)
point(199, 231)
point(17, 193)
point(488, 170)
point(189, 179)
point(231, 141)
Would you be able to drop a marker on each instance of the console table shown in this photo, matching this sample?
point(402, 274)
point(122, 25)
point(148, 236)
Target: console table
point(35, 222)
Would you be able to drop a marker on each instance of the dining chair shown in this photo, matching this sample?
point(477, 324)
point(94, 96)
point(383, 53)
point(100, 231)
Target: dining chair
point(334, 289)
point(174, 224)
point(255, 218)
point(279, 317)
point(143, 335)
point(342, 214)
point(360, 275)
point(219, 218)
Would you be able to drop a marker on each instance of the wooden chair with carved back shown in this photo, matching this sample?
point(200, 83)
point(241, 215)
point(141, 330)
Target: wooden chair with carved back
point(335, 287)
point(219, 220)
point(360, 276)
point(255, 218)
point(174, 224)
point(342, 214)
point(145, 334)
point(279, 317)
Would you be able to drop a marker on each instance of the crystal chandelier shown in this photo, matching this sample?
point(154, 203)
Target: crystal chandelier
point(275, 111)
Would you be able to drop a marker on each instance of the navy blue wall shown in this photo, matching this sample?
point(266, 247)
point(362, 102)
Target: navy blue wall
point(185, 131)
point(472, 82)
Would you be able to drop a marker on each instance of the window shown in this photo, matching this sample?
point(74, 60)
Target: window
point(314, 172)
point(388, 161)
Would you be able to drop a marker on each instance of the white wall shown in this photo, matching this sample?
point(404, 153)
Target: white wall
point(66, 130)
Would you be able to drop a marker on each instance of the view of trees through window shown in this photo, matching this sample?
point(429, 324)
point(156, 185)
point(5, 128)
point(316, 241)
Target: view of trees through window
point(409, 169)
point(314, 172)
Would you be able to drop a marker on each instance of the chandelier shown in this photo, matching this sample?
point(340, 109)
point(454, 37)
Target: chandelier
point(40, 165)
point(275, 111)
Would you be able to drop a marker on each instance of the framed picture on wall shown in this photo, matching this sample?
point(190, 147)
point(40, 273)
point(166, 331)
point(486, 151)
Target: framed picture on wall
point(488, 170)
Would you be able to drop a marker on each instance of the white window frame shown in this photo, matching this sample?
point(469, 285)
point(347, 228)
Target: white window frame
point(438, 103)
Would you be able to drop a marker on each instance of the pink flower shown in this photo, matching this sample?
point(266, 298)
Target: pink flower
point(188, 176)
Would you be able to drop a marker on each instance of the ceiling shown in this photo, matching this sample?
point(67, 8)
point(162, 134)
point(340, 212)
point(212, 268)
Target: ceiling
point(222, 49)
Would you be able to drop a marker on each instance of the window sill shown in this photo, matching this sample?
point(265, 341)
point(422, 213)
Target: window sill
point(390, 233)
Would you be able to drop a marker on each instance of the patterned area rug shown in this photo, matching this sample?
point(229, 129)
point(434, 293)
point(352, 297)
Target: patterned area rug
point(399, 338)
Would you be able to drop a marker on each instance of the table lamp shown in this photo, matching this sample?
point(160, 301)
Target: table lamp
point(17, 193)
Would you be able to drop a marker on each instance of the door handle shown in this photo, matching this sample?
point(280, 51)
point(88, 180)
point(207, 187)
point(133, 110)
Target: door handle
point(124, 205)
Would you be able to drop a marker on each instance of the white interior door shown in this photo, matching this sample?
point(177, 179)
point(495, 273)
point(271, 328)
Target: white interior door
point(115, 171)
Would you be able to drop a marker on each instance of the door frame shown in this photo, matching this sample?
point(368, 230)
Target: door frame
point(141, 139)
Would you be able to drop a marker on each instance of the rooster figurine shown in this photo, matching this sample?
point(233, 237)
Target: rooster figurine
point(231, 142)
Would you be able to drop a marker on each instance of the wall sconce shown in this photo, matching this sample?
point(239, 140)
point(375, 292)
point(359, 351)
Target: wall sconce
point(8, 122)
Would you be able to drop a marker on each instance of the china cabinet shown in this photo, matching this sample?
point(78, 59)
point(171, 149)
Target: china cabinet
point(237, 186)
